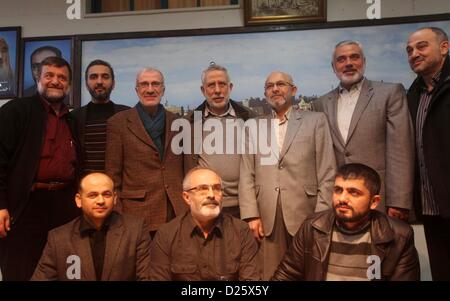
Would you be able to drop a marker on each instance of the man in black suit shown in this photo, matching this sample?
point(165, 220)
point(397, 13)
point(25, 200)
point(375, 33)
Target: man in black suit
point(38, 169)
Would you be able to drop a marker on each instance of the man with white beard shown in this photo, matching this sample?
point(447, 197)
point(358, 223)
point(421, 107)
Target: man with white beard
point(204, 243)
point(370, 124)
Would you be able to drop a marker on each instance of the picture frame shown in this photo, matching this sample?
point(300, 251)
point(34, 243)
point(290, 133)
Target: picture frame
point(9, 61)
point(250, 53)
point(263, 12)
point(37, 49)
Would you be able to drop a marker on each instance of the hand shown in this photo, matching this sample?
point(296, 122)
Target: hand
point(399, 213)
point(257, 228)
point(4, 222)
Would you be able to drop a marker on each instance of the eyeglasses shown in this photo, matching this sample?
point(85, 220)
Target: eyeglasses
point(280, 84)
point(144, 85)
point(204, 188)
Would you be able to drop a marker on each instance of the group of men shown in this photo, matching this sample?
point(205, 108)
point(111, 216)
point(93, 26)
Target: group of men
point(315, 213)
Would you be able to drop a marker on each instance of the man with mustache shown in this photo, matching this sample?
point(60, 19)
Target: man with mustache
point(107, 245)
point(38, 169)
point(216, 88)
point(204, 243)
point(370, 124)
point(139, 157)
point(91, 118)
point(352, 241)
point(429, 104)
point(275, 197)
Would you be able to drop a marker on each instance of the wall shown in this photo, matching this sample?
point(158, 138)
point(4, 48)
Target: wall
point(38, 18)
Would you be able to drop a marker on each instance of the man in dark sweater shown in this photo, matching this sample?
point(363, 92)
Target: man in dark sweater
point(91, 118)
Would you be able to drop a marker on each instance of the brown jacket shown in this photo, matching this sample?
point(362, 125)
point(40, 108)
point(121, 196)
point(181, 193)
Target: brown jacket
point(392, 241)
point(143, 181)
point(127, 255)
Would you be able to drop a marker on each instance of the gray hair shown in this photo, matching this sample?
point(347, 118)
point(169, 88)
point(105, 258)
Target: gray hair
point(149, 69)
point(344, 43)
point(187, 178)
point(288, 76)
point(214, 67)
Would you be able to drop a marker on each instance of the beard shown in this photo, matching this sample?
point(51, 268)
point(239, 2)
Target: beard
point(52, 97)
point(100, 96)
point(205, 212)
point(354, 217)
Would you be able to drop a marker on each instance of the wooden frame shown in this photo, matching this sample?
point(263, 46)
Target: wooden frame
point(259, 12)
point(60, 46)
point(9, 61)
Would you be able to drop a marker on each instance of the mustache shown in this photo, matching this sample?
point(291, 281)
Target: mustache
point(345, 206)
point(211, 202)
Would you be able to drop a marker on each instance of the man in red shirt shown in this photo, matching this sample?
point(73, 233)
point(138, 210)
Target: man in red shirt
point(38, 168)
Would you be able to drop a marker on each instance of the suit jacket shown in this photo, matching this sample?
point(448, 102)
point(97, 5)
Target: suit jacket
point(391, 240)
point(380, 136)
point(303, 174)
point(22, 131)
point(127, 253)
point(144, 182)
point(436, 140)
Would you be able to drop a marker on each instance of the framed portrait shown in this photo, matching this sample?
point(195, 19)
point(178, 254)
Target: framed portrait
point(35, 50)
point(262, 12)
point(9, 61)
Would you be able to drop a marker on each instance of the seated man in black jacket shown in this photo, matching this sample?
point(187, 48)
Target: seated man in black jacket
point(352, 241)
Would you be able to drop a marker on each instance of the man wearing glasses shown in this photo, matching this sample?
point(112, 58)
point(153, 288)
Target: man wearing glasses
point(204, 243)
point(275, 198)
point(146, 173)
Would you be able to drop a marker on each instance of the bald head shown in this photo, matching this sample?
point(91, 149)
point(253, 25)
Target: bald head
point(95, 178)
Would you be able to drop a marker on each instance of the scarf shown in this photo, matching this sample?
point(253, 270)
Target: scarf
point(154, 126)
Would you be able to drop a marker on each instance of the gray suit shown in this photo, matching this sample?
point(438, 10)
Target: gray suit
point(380, 136)
point(300, 181)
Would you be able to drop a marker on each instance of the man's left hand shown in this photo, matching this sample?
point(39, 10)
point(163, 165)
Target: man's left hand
point(399, 213)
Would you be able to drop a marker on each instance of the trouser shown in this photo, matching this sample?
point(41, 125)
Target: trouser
point(274, 246)
point(437, 235)
point(22, 248)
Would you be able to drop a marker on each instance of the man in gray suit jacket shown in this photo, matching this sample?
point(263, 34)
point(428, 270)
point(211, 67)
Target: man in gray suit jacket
point(99, 245)
point(275, 196)
point(370, 124)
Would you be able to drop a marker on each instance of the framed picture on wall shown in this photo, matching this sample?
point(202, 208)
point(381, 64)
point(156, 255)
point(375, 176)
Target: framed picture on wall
point(35, 50)
point(9, 61)
point(261, 12)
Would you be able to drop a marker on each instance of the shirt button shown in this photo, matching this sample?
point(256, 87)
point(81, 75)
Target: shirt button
point(347, 154)
point(280, 166)
point(277, 188)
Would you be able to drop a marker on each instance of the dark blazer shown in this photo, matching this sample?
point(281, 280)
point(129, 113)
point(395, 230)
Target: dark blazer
point(141, 178)
point(191, 160)
point(436, 140)
point(22, 132)
point(127, 255)
point(392, 241)
point(380, 135)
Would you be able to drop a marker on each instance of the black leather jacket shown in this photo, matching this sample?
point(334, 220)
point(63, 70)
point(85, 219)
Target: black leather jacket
point(392, 240)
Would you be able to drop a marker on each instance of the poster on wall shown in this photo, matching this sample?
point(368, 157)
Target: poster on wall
point(35, 51)
point(249, 58)
point(9, 58)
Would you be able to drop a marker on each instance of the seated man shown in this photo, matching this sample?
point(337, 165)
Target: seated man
point(203, 243)
point(352, 241)
point(99, 245)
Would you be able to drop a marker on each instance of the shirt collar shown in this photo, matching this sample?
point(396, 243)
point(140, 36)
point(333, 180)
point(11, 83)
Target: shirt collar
point(355, 87)
point(86, 227)
point(434, 81)
point(195, 229)
point(230, 111)
point(63, 110)
point(286, 116)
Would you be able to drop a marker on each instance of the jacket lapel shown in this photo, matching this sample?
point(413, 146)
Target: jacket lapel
point(83, 250)
point(363, 100)
point(113, 240)
point(331, 107)
point(294, 123)
point(137, 128)
point(168, 135)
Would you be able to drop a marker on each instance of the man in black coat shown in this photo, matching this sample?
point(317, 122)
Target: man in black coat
point(38, 169)
point(429, 104)
point(91, 118)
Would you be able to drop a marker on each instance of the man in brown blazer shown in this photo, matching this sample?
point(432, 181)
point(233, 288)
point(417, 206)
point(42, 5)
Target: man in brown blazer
point(99, 245)
point(147, 174)
point(370, 124)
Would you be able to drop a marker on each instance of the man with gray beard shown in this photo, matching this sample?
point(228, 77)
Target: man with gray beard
point(38, 169)
point(370, 124)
